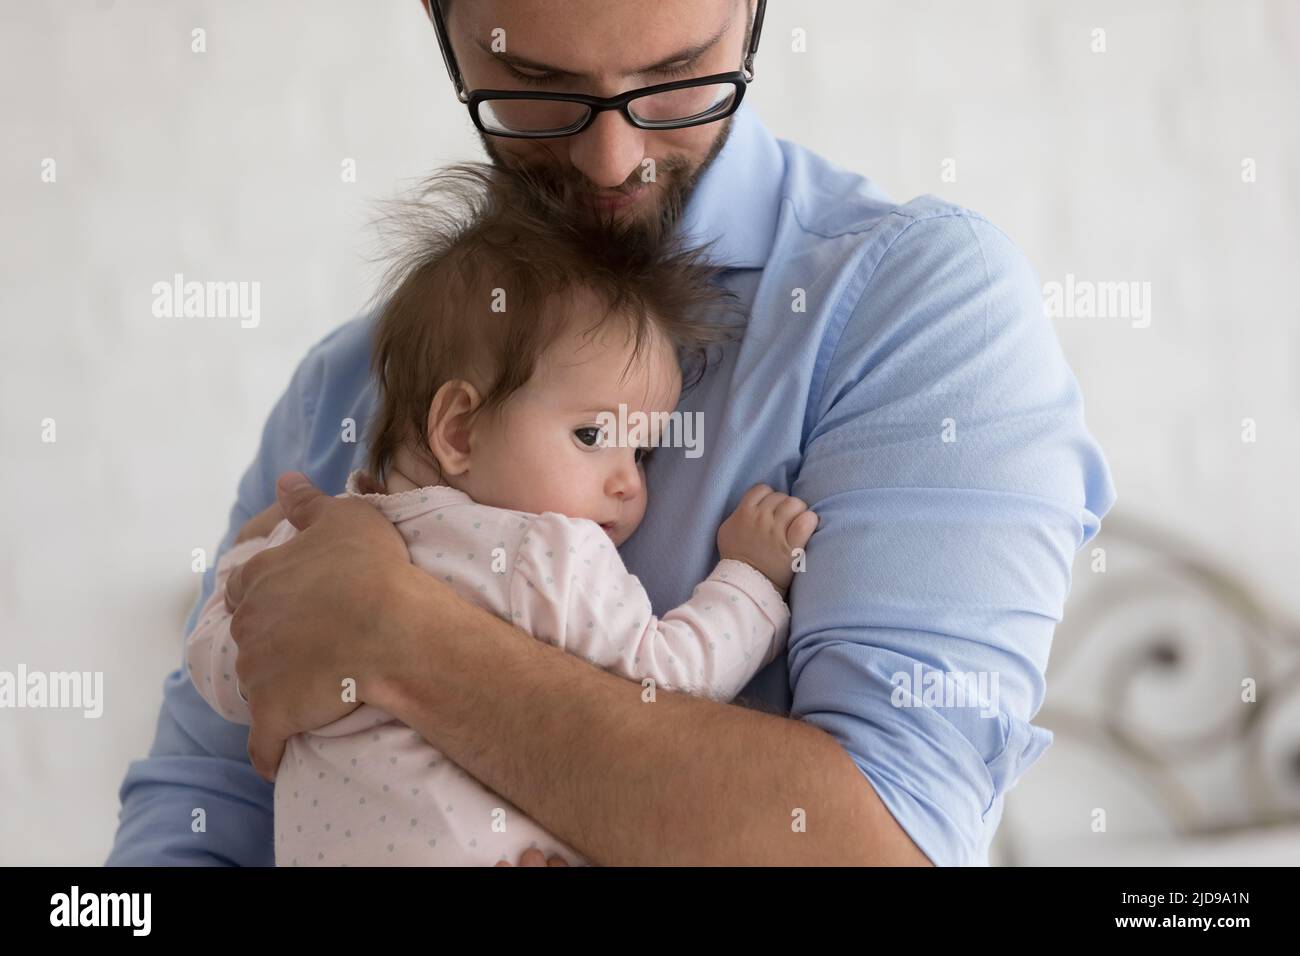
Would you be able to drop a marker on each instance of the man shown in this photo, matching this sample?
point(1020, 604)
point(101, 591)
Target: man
point(896, 372)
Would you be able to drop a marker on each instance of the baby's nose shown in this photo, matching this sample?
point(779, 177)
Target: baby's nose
point(625, 483)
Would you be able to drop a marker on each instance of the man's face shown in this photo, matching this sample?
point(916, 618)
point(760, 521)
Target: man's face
point(603, 48)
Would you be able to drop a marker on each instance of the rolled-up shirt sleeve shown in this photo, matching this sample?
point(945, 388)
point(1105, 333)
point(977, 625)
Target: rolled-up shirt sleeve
point(954, 477)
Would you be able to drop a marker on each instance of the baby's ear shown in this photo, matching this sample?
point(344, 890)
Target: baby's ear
point(448, 427)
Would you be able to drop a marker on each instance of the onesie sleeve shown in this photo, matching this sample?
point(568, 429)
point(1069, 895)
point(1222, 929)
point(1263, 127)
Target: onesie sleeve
point(570, 588)
point(210, 650)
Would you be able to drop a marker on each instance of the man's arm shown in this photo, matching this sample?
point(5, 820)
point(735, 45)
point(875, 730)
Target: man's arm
point(955, 479)
point(680, 781)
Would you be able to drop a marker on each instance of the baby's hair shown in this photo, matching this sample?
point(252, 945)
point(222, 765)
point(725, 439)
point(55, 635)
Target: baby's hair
point(485, 264)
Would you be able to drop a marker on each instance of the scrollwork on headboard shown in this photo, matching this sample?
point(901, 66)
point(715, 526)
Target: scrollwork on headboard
point(1172, 668)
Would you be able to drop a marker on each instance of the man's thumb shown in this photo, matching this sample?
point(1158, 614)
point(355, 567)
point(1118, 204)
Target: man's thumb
point(299, 499)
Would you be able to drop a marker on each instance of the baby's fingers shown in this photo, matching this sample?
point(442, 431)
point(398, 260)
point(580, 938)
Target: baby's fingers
point(801, 529)
point(753, 496)
point(786, 510)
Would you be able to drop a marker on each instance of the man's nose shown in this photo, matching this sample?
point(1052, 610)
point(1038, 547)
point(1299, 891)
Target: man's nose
point(608, 151)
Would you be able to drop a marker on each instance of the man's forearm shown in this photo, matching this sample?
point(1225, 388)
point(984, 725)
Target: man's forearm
point(679, 781)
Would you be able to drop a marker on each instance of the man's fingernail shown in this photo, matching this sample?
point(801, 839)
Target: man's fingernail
point(293, 480)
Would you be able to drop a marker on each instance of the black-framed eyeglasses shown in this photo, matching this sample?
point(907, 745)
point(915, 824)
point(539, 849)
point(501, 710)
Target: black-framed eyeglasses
point(528, 114)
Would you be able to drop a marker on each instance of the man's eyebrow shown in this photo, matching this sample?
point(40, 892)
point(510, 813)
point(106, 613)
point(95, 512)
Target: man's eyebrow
point(684, 55)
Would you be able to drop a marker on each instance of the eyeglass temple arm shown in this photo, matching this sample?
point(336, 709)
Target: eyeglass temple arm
point(754, 35)
point(444, 45)
point(453, 69)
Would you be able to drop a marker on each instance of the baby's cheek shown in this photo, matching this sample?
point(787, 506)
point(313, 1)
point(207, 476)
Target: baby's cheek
point(574, 490)
point(638, 512)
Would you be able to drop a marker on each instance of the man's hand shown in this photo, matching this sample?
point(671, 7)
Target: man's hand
point(310, 613)
point(261, 524)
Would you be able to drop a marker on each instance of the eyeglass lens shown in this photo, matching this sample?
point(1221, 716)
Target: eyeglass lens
point(666, 109)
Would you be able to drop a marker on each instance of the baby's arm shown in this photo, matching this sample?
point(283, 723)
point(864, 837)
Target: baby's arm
point(210, 650)
point(571, 589)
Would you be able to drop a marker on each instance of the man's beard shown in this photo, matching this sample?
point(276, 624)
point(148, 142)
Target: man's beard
point(568, 190)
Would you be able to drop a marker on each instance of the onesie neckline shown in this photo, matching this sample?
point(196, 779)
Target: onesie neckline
point(402, 505)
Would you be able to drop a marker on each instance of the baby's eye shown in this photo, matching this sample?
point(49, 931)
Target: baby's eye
point(642, 455)
point(589, 436)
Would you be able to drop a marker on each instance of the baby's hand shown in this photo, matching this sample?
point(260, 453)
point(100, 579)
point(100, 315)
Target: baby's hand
point(764, 531)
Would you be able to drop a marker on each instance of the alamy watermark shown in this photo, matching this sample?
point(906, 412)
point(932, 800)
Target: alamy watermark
point(179, 299)
point(60, 690)
point(676, 429)
point(936, 688)
point(1084, 299)
point(75, 908)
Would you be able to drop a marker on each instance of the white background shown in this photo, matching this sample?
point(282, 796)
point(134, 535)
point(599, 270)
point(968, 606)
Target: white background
point(1116, 166)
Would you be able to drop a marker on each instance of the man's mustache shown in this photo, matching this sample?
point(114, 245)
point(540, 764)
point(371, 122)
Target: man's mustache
point(571, 184)
point(564, 191)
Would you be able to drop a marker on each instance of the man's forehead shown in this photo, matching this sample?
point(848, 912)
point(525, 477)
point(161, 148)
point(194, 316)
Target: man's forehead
point(596, 37)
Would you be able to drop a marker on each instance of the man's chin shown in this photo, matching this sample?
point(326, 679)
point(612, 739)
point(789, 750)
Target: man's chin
point(651, 210)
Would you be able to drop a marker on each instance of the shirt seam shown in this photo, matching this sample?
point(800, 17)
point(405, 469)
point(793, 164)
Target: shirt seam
point(842, 314)
point(950, 211)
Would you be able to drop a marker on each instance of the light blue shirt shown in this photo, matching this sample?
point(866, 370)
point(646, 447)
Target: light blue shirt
point(897, 373)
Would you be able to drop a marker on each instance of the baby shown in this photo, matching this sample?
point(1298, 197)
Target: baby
point(507, 345)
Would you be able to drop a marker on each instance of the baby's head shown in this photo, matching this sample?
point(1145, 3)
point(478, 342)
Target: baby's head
point(510, 334)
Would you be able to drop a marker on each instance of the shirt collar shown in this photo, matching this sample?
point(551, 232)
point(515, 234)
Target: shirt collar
point(736, 202)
